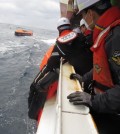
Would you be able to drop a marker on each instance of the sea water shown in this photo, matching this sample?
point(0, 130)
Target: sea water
point(19, 63)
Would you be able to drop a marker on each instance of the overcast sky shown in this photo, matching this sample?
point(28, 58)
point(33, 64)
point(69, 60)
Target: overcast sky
point(36, 13)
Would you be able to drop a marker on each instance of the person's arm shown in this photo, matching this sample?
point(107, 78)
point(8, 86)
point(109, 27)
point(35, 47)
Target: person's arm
point(54, 60)
point(108, 102)
point(53, 63)
point(86, 78)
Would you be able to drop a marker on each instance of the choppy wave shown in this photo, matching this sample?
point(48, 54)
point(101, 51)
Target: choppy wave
point(19, 63)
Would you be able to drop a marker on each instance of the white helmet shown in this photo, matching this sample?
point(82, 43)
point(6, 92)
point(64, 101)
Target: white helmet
point(63, 21)
point(82, 4)
point(83, 22)
point(102, 5)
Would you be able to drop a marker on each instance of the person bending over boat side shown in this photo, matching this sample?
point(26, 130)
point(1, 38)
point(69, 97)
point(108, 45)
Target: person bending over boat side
point(104, 102)
point(74, 48)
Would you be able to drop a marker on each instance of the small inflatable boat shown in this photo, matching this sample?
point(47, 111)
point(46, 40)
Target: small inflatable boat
point(21, 32)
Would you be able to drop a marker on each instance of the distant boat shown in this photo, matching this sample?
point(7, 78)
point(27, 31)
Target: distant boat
point(21, 32)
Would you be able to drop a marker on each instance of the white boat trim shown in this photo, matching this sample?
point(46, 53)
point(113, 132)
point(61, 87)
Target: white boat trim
point(60, 116)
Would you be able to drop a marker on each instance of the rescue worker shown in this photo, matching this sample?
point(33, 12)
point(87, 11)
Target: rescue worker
point(73, 47)
point(84, 27)
point(104, 20)
point(86, 32)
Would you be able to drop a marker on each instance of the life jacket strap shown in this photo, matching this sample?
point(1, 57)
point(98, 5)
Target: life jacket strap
point(100, 86)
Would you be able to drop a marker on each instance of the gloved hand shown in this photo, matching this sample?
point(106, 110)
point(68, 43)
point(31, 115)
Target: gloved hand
point(80, 98)
point(76, 76)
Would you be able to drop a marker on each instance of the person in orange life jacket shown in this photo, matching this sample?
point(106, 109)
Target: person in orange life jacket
point(72, 46)
point(105, 101)
point(69, 46)
point(84, 27)
point(37, 87)
point(106, 59)
point(86, 32)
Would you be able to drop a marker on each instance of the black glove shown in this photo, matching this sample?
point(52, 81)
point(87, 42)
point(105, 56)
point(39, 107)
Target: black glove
point(76, 76)
point(80, 98)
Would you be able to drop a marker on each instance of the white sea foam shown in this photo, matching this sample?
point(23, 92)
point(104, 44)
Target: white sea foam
point(9, 46)
point(4, 49)
point(49, 41)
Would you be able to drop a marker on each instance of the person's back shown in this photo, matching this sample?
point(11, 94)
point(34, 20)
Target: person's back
point(76, 51)
point(78, 54)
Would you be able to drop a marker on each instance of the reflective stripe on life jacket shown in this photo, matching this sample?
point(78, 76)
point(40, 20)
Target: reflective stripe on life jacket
point(101, 71)
point(66, 36)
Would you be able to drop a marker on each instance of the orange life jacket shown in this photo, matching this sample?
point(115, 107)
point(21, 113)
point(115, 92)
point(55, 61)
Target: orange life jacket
point(46, 57)
point(53, 87)
point(101, 70)
point(51, 92)
point(111, 15)
point(65, 36)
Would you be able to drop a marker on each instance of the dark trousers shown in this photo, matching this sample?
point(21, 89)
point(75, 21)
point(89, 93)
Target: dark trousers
point(107, 124)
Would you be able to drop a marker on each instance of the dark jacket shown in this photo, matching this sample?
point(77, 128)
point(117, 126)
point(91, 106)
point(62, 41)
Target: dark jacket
point(109, 102)
point(77, 53)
